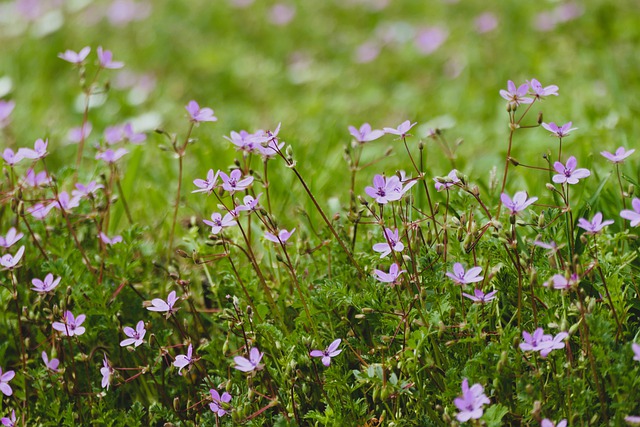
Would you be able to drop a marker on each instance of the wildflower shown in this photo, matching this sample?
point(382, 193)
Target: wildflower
point(392, 242)
point(115, 134)
point(429, 39)
point(167, 306)
point(470, 404)
point(70, 325)
point(46, 285)
point(65, 202)
point(206, 185)
point(445, 183)
point(105, 57)
point(244, 141)
point(402, 129)
point(365, 133)
point(568, 173)
point(73, 57)
point(386, 190)
point(131, 136)
point(136, 336)
point(252, 363)
point(183, 360)
point(559, 131)
point(548, 423)
point(555, 343)
point(217, 222)
point(250, 204)
point(595, 225)
point(391, 276)
point(219, 402)
point(281, 14)
point(271, 149)
point(486, 22)
point(516, 95)
point(110, 156)
point(200, 114)
point(5, 388)
point(6, 108)
point(561, 282)
point(11, 238)
point(480, 296)
point(633, 420)
point(9, 422)
point(110, 240)
point(10, 157)
point(39, 150)
point(232, 182)
point(52, 364)
point(636, 351)
point(542, 342)
point(9, 261)
point(519, 203)
point(632, 215)
point(326, 354)
point(619, 156)
point(540, 92)
point(80, 133)
point(107, 372)
point(33, 180)
point(40, 211)
point(283, 236)
point(464, 278)
point(83, 191)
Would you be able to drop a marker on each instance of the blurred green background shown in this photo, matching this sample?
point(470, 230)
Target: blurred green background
point(318, 67)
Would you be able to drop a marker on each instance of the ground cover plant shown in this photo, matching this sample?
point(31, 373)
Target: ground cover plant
point(243, 233)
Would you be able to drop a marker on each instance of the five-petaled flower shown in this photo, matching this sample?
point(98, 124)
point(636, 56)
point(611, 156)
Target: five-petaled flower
point(39, 150)
point(390, 277)
point(245, 141)
point(481, 297)
point(5, 388)
point(365, 134)
point(136, 336)
point(9, 421)
point(105, 57)
point(206, 185)
point(282, 236)
point(516, 95)
point(183, 360)
point(65, 202)
point(11, 238)
point(233, 181)
point(619, 155)
point(548, 423)
point(36, 180)
point(387, 190)
point(217, 222)
point(107, 372)
point(110, 156)
point(251, 203)
point(462, 277)
point(52, 364)
point(595, 225)
point(519, 203)
point(164, 306)
point(110, 240)
point(86, 191)
point(568, 173)
point(11, 157)
point(220, 404)
point(80, 133)
point(9, 261)
point(544, 343)
point(73, 57)
point(471, 403)
point(559, 131)
point(46, 285)
point(392, 242)
point(632, 215)
point(402, 129)
point(329, 352)
point(445, 183)
point(636, 351)
point(200, 114)
point(70, 325)
point(559, 281)
point(251, 364)
point(540, 92)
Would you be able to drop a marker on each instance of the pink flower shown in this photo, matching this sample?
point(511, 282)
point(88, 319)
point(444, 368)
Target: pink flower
point(9, 422)
point(548, 423)
point(50, 364)
point(107, 372)
point(392, 242)
point(200, 114)
point(206, 185)
point(471, 403)
point(40, 211)
point(428, 40)
point(326, 354)
point(244, 141)
point(387, 190)
point(486, 22)
point(516, 95)
point(10, 157)
point(183, 360)
point(80, 133)
point(540, 92)
point(401, 130)
point(480, 296)
point(217, 222)
point(445, 183)
point(559, 131)
point(519, 203)
point(569, 173)
point(110, 156)
point(251, 204)
point(11, 238)
point(390, 277)
point(33, 180)
point(595, 225)
point(281, 14)
point(110, 240)
point(39, 150)
point(461, 277)
point(105, 57)
point(633, 420)
point(5, 388)
point(65, 202)
point(233, 181)
point(632, 215)
point(619, 156)
point(365, 133)
point(84, 191)
point(220, 404)
point(559, 281)
point(636, 351)
point(282, 237)
point(252, 363)
point(136, 336)
point(46, 285)
point(167, 306)
point(70, 325)
point(9, 261)
point(6, 108)
point(73, 57)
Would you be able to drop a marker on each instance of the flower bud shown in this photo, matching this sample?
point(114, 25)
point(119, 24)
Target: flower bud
point(541, 219)
point(540, 118)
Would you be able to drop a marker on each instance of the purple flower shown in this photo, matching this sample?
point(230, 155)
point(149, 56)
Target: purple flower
point(516, 95)
point(329, 352)
point(619, 156)
point(365, 134)
point(233, 181)
point(6, 108)
point(250, 204)
point(50, 364)
point(519, 203)
point(220, 404)
point(428, 40)
point(252, 363)
point(9, 422)
point(390, 277)
point(206, 185)
point(636, 351)
point(470, 404)
point(569, 173)
point(11, 238)
point(595, 225)
point(183, 360)
point(110, 240)
point(83, 191)
point(9, 261)
point(392, 242)
point(65, 202)
point(136, 336)
point(559, 281)
point(387, 190)
point(481, 297)
point(10, 157)
point(632, 215)
point(548, 423)
point(131, 136)
point(244, 141)
point(167, 306)
point(634, 420)
point(80, 133)
point(551, 247)
point(110, 156)
point(532, 341)
point(73, 57)
point(401, 130)
point(561, 131)
point(46, 285)
point(39, 150)
point(105, 57)
point(281, 14)
point(217, 222)
point(107, 372)
point(5, 388)
point(33, 180)
point(445, 183)
point(486, 22)
point(200, 114)
point(113, 134)
point(464, 278)
point(282, 237)
point(556, 343)
point(40, 211)
point(540, 92)
point(70, 325)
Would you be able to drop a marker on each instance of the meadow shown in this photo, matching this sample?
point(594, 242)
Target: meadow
point(291, 213)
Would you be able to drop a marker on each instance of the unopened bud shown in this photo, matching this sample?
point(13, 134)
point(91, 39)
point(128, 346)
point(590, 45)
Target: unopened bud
point(631, 189)
point(541, 220)
point(540, 118)
point(514, 162)
point(550, 186)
